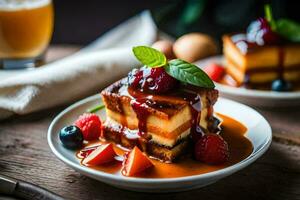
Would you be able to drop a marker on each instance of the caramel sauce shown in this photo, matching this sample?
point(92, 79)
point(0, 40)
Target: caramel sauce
point(232, 132)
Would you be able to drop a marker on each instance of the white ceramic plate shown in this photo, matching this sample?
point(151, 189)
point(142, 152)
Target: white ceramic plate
point(259, 133)
point(258, 98)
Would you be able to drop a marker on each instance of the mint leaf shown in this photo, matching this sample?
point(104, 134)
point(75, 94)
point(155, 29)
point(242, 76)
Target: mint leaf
point(288, 29)
point(188, 73)
point(269, 17)
point(149, 56)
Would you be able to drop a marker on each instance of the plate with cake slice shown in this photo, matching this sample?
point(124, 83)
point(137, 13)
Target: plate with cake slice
point(163, 128)
point(261, 65)
point(247, 95)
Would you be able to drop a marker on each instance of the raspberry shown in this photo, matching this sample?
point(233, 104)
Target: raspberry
point(151, 80)
point(90, 125)
point(212, 149)
point(215, 71)
point(260, 32)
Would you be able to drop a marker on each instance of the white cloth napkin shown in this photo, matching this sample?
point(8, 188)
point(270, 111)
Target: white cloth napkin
point(79, 75)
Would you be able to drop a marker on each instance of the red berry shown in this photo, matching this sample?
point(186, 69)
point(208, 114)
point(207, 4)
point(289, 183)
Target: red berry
point(212, 149)
point(152, 80)
point(260, 32)
point(215, 71)
point(90, 126)
point(159, 81)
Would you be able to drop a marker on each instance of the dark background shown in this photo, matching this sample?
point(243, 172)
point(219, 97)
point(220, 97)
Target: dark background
point(80, 22)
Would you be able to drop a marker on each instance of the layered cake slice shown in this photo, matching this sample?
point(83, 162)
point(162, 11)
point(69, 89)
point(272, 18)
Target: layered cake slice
point(266, 56)
point(160, 125)
point(256, 65)
point(161, 107)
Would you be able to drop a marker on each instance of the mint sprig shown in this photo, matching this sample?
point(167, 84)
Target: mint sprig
point(269, 17)
point(177, 68)
point(286, 28)
point(188, 73)
point(149, 56)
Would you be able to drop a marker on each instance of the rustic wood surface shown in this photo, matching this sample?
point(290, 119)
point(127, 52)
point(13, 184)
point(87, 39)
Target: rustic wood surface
point(24, 154)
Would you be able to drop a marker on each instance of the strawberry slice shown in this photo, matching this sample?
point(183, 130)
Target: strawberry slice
point(135, 162)
point(215, 71)
point(102, 154)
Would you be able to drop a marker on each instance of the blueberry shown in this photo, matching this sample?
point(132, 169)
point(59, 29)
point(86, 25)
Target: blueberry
point(281, 85)
point(71, 137)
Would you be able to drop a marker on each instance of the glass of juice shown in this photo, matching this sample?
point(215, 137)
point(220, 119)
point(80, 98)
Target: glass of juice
point(26, 28)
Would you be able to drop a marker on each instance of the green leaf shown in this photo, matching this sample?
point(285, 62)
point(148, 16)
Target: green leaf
point(288, 29)
point(269, 16)
point(149, 56)
point(95, 108)
point(188, 73)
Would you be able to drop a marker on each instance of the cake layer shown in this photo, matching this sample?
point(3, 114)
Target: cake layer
point(162, 113)
point(154, 134)
point(126, 138)
point(168, 128)
point(247, 58)
point(261, 76)
point(252, 64)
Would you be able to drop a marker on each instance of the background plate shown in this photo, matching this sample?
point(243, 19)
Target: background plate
point(257, 98)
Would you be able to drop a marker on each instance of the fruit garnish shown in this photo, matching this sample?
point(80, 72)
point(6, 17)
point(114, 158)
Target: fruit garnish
point(281, 85)
point(260, 32)
point(151, 79)
point(90, 125)
point(263, 30)
point(215, 71)
point(177, 68)
point(71, 137)
point(102, 154)
point(135, 162)
point(268, 29)
point(212, 149)
point(158, 81)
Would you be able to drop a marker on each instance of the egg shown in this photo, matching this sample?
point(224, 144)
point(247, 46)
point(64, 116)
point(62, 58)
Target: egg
point(194, 46)
point(166, 47)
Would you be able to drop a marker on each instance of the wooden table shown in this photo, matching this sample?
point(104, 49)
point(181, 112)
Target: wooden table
point(24, 154)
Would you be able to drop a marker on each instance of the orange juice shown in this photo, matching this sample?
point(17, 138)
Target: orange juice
point(26, 28)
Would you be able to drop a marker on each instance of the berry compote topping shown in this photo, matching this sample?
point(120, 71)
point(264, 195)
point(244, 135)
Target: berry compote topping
point(154, 80)
point(260, 32)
